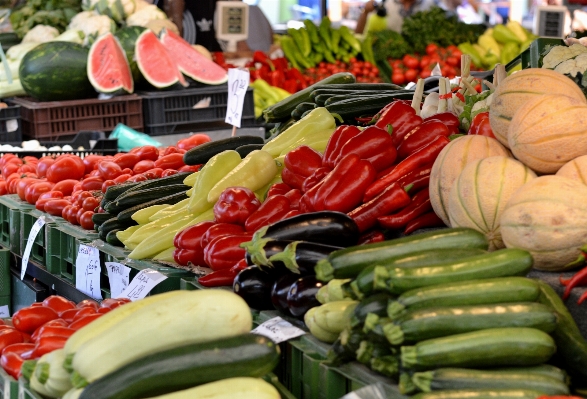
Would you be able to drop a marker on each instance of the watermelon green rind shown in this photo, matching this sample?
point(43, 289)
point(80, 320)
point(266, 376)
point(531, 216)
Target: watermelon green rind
point(56, 71)
point(127, 37)
point(108, 69)
point(191, 62)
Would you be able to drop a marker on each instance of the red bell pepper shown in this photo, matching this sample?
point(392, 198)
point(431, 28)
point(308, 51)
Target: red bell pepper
point(383, 110)
point(422, 157)
point(449, 119)
point(371, 237)
point(480, 125)
point(191, 237)
point(416, 179)
point(276, 78)
point(372, 144)
point(429, 219)
point(294, 195)
point(48, 344)
point(391, 199)
point(278, 188)
point(270, 211)
point(307, 200)
point(402, 118)
point(292, 213)
point(303, 160)
point(262, 58)
point(224, 252)
point(11, 362)
point(421, 136)
point(290, 85)
point(224, 277)
point(218, 57)
point(221, 230)
point(235, 205)
point(420, 205)
point(339, 138)
point(186, 256)
point(294, 73)
point(281, 63)
point(292, 179)
point(315, 178)
point(344, 187)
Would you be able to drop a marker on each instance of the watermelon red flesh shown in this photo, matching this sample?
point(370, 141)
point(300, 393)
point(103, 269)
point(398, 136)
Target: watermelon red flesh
point(108, 68)
point(155, 62)
point(191, 62)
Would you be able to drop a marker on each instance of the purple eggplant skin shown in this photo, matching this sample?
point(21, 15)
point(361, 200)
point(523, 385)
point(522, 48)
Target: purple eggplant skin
point(254, 286)
point(302, 295)
point(280, 290)
point(270, 248)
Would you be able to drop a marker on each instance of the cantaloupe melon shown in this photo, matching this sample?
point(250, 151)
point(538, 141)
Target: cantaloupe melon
point(451, 161)
point(575, 169)
point(548, 131)
point(519, 88)
point(479, 195)
point(547, 217)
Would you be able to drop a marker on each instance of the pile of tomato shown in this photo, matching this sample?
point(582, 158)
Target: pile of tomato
point(44, 327)
point(364, 71)
point(412, 67)
point(72, 187)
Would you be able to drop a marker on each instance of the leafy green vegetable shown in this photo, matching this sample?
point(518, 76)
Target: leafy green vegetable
point(389, 44)
point(56, 13)
point(465, 117)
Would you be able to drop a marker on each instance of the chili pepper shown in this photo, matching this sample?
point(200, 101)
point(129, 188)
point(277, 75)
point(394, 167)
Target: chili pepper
point(371, 237)
point(324, 32)
point(339, 138)
point(224, 252)
point(235, 205)
point(421, 136)
point(579, 278)
point(564, 281)
point(219, 278)
point(290, 50)
point(303, 160)
point(449, 119)
point(582, 298)
point(422, 157)
point(402, 117)
point(11, 362)
point(221, 230)
point(372, 144)
point(294, 195)
point(191, 238)
point(29, 319)
point(48, 344)
point(480, 125)
point(345, 186)
point(416, 179)
point(278, 188)
point(84, 321)
point(315, 178)
point(270, 211)
point(391, 199)
point(429, 219)
point(420, 205)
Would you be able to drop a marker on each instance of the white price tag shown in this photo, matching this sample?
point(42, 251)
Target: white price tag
point(4, 311)
point(118, 275)
point(29, 244)
point(142, 284)
point(278, 330)
point(238, 83)
point(11, 125)
point(87, 271)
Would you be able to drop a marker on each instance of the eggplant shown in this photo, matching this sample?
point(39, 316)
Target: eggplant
point(301, 256)
point(260, 256)
point(254, 286)
point(302, 295)
point(280, 290)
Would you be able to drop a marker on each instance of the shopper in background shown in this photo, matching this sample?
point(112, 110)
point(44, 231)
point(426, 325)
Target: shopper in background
point(394, 11)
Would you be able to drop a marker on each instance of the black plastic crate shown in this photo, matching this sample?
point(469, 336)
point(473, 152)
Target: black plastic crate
point(10, 124)
point(167, 112)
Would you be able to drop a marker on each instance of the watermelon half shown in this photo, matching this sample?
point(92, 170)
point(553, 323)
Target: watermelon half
point(108, 68)
point(191, 62)
point(156, 63)
point(127, 37)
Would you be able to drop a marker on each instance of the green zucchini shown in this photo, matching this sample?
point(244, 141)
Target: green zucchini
point(374, 304)
point(133, 198)
point(332, 92)
point(363, 284)
point(502, 263)
point(301, 108)
point(187, 366)
point(126, 215)
point(376, 87)
point(543, 369)
point(100, 218)
point(113, 224)
point(422, 324)
point(368, 350)
point(244, 150)
point(112, 239)
point(493, 347)
point(387, 365)
point(345, 347)
point(480, 394)
point(354, 96)
point(572, 347)
point(455, 378)
point(155, 183)
point(349, 262)
point(279, 128)
point(282, 110)
point(461, 293)
point(199, 155)
point(114, 191)
point(370, 105)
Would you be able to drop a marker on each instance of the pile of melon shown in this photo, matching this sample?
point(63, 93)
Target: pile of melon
point(528, 187)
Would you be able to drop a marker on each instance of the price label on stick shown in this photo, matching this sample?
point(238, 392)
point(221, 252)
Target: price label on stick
point(4, 312)
point(238, 83)
point(87, 271)
point(142, 284)
point(118, 275)
point(278, 330)
point(29, 244)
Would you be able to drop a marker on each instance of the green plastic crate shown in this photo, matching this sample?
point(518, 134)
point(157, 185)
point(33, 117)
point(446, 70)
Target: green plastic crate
point(25, 391)
point(10, 209)
point(5, 257)
point(64, 244)
point(8, 386)
point(283, 392)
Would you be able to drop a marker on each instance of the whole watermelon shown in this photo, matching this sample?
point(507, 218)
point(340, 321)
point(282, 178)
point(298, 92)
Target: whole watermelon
point(56, 71)
point(127, 37)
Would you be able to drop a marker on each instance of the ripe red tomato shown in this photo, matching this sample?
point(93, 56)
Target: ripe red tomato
point(10, 336)
point(34, 191)
point(85, 220)
point(193, 141)
point(55, 206)
point(109, 170)
point(411, 75)
point(3, 187)
point(58, 303)
point(432, 48)
point(90, 203)
point(154, 173)
point(90, 162)
point(189, 168)
point(65, 186)
point(71, 167)
point(143, 166)
point(92, 183)
point(27, 168)
point(137, 178)
point(22, 184)
point(69, 213)
point(127, 160)
point(170, 161)
point(78, 214)
point(10, 168)
point(122, 178)
point(146, 152)
point(169, 172)
point(410, 61)
point(29, 319)
point(398, 78)
point(106, 184)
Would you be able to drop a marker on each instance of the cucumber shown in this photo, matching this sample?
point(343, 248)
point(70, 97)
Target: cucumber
point(244, 150)
point(493, 347)
point(572, 347)
point(199, 155)
point(177, 178)
point(133, 198)
point(376, 87)
point(480, 394)
point(422, 324)
point(349, 262)
point(282, 110)
point(100, 218)
point(301, 108)
point(502, 263)
point(363, 284)
point(461, 293)
point(332, 99)
point(374, 304)
point(185, 366)
point(365, 105)
point(112, 239)
point(114, 191)
point(126, 215)
point(113, 224)
point(455, 378)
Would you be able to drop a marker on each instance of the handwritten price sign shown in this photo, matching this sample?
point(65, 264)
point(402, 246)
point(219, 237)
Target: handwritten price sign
point(142, 284)
point(238, 83)
point(87, 271)
point(29, 245)
point(278, 330)
point(118, 276)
